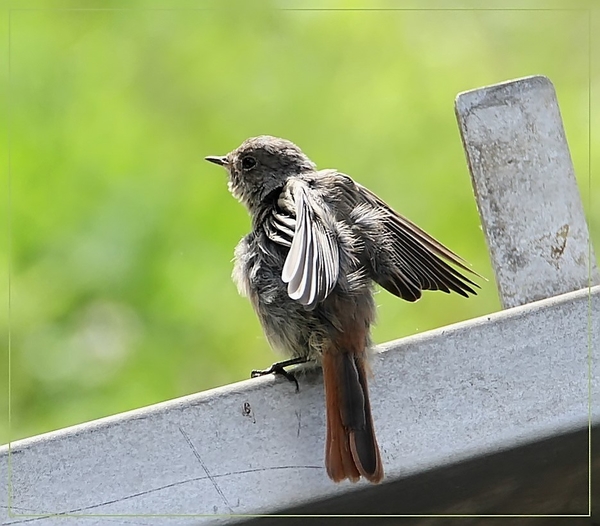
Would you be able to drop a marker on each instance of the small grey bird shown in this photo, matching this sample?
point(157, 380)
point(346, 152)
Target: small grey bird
point(319, 242)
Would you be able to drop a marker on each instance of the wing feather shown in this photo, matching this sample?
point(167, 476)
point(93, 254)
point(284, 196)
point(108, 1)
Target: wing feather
point(415, 261)
point(311, 267)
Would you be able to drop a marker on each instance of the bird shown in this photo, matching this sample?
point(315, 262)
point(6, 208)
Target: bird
point(318, 244)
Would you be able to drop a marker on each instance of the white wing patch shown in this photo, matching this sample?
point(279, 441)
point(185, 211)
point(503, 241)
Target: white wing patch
point(312, 265)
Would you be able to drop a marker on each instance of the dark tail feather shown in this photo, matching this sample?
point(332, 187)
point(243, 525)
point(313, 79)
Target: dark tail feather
point(363, 443)
point(351, 446)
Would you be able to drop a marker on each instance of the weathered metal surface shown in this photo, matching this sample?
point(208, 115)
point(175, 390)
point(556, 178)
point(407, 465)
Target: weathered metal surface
point(439, 398)
point(526, 190)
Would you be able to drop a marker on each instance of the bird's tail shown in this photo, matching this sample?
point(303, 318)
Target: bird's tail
point(351, 449)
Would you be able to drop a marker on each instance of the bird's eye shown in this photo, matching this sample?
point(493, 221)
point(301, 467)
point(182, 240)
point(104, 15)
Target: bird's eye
point(248, 162)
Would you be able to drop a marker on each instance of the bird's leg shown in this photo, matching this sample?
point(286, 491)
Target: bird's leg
point(278, 368)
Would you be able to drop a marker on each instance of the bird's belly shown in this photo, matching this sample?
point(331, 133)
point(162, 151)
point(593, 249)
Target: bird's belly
point(288, 326)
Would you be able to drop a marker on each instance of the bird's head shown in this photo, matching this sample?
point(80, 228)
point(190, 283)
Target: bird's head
point(261, 165)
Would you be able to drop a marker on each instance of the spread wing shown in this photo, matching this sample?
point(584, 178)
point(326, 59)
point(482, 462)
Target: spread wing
point(397, 254)
point(305, 223)
point(404, 259)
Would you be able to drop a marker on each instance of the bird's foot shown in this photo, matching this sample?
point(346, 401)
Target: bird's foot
point(279, 368)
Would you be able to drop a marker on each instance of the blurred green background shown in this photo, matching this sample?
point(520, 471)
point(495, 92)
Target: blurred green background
point(121, 236)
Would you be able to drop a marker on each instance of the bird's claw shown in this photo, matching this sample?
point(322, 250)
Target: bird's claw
point(276, 368)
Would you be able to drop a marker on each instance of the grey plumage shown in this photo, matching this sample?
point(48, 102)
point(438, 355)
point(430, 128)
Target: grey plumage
point(319, 242)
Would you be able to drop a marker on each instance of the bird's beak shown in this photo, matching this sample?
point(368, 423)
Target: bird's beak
point(221, 161)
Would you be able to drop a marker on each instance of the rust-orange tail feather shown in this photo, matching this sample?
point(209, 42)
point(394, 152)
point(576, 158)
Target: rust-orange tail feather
point(351, 449)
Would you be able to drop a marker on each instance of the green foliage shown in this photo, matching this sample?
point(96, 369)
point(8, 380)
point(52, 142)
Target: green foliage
point(122, 236)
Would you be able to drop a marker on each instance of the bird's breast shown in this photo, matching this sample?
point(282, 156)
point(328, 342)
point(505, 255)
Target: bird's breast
point(257, 268)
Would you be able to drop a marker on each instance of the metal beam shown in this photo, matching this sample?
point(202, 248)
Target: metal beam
point(526, 190)
point(440, 398)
